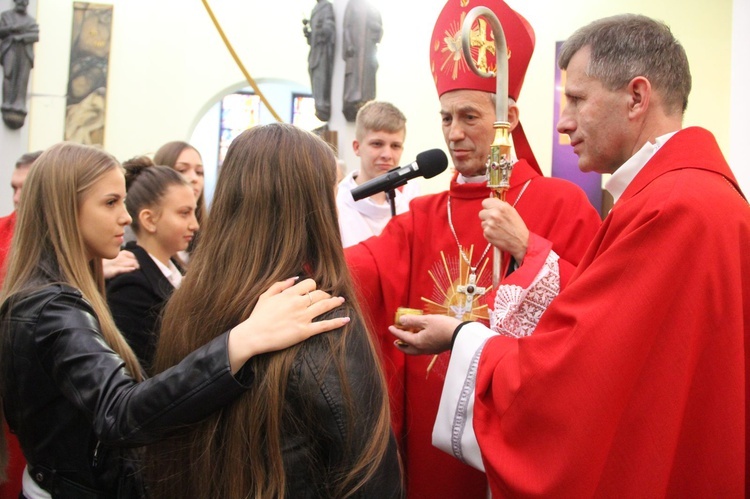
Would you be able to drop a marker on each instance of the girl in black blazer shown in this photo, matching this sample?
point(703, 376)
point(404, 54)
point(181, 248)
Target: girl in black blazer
point(162, 205)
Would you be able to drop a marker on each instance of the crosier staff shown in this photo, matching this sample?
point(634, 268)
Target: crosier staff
point(499, 165)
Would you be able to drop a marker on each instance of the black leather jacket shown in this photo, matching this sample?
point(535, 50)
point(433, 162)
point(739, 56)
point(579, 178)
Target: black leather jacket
point(76, 409)
point(314, 393)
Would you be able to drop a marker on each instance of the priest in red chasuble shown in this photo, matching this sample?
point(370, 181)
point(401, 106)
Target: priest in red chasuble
point(635, 381)
point(427, 258)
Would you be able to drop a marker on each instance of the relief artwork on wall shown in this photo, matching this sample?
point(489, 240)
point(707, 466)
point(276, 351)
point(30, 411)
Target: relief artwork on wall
point(87, 78)
point(18, 33)
point(363, 30)
point(320, 31)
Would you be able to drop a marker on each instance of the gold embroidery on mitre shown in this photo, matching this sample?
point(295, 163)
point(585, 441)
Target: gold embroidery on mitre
point(450, 274)
point(482, 41)
point(452, 50)
point(483, 44)
point(464, 3)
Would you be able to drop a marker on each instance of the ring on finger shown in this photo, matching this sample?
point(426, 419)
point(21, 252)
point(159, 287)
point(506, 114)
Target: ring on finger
point(309, 298)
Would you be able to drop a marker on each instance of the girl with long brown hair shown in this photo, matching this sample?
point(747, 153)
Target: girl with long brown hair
point(315, 423)
point(72, 389)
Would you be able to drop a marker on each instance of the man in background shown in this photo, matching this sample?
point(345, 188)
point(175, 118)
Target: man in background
point(8, 223)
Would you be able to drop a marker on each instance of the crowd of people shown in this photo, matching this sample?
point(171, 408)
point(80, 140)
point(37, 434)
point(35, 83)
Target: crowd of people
point(151, 347)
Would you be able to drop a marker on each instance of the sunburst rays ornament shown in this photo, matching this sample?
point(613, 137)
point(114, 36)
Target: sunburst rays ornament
point(458, 288)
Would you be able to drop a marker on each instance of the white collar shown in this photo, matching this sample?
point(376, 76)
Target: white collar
point(460, 179)
point(623, 176)
point(477, 179)
point(171, 272)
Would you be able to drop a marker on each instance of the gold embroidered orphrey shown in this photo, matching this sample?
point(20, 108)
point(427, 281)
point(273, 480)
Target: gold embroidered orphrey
point(457, 285)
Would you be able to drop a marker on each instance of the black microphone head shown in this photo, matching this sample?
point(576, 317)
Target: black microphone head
point(432, 162)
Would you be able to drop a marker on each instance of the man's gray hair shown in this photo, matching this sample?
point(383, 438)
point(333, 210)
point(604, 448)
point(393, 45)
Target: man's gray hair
point(626, 46)
point(28, 159)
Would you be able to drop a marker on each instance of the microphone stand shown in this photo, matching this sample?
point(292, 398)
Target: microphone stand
point(390, 195)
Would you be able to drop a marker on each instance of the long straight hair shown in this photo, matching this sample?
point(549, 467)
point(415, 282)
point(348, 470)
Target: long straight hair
point(48, 247)
point(273, 215)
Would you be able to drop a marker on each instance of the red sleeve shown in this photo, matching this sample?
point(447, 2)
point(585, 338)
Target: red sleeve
point(559, 214)
point(7, 225)
point(567, 220)
point(536, 254)
point(380, 268)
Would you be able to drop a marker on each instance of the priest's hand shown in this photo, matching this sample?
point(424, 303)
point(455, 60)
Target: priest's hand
point(434, 333)
point(504, 228)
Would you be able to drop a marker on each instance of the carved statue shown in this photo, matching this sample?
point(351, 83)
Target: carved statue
point(363, 30)
point(320, 31)
point(18, 32)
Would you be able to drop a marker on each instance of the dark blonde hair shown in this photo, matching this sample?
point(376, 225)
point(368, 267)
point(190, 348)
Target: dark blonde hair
point(273, 216)
point(146, 184)
point(379, 116)
point(28, 159)
point(48, 246)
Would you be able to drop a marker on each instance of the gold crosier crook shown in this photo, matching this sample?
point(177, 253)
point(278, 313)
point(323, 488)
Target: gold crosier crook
point(499, 165)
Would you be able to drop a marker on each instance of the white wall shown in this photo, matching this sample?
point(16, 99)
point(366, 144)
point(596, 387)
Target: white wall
point(168, 66)
point(740, 94)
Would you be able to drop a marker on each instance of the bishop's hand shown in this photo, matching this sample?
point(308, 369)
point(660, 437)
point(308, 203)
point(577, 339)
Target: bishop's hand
point(504, 228)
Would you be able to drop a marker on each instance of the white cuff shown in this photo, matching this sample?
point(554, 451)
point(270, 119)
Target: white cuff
point(454, 425)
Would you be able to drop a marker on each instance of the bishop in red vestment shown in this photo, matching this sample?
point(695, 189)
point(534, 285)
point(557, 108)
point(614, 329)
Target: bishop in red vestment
point(424, 258)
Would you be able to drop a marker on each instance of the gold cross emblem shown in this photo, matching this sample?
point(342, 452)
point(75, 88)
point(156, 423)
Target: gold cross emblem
point(479, 39)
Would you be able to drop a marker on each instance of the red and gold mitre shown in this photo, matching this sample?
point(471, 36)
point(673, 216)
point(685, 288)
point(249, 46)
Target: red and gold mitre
point(450, 70)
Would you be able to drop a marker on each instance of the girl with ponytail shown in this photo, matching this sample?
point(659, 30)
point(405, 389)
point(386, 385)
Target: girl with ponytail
point(162, 205)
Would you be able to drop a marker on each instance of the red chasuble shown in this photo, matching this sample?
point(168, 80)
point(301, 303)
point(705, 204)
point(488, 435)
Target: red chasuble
point(635, 382)
point(415, 263)
point(16, 461)
point(7, 225)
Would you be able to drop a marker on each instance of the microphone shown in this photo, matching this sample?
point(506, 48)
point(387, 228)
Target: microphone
point(427, 165)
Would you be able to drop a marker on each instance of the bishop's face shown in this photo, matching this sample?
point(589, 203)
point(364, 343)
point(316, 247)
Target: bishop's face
point(468, 117)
